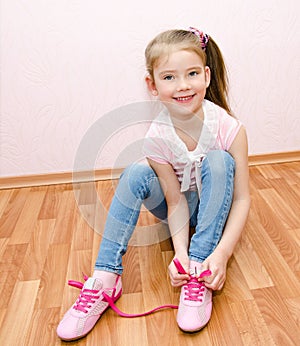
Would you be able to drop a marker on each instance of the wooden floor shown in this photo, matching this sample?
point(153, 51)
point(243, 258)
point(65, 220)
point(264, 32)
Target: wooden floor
point(45, 239)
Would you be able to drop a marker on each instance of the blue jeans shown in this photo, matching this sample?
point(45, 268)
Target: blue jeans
point(139, 185)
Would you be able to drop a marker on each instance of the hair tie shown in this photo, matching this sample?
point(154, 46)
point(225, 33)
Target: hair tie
point(203, 38)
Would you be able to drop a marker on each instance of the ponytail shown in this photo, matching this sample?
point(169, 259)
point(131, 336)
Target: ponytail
point(217, 92)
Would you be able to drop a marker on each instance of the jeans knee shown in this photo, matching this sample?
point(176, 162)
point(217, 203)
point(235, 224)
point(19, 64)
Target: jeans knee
point(136, 177)
point(218, 162)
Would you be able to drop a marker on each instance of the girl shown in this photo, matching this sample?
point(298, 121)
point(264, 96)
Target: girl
point(197, 175)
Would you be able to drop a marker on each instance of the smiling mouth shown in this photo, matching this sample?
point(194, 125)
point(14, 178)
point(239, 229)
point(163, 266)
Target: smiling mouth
point(184, 98)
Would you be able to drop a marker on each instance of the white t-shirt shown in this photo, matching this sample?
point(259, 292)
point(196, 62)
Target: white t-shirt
point(163, 145)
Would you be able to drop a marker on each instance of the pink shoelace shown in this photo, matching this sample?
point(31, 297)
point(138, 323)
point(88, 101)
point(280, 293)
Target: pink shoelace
point(88, 297)
point(193, 291)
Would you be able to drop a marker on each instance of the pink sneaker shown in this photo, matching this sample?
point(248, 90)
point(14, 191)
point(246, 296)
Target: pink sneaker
point(195, 305)
point(80, 319)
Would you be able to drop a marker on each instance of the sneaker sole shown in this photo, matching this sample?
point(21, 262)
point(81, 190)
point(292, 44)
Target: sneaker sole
point(193, 331)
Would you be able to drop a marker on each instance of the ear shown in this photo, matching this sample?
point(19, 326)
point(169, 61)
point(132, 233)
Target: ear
point(151, 85)
point(207, 76)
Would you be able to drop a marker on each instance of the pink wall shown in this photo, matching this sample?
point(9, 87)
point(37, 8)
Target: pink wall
point(66, 64)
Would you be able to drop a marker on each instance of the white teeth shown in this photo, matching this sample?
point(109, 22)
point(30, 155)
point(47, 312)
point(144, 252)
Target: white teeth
point(183, 98)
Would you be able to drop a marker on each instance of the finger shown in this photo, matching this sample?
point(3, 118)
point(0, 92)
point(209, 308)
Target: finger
point(205, 265)
point(204, 268)
point(178, 279)
point(212, 286)
point(178, 283)
point(210, 281)
point(216, 284)
point(206, 276)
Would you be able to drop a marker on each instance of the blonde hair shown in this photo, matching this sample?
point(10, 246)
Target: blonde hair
point(174, 40)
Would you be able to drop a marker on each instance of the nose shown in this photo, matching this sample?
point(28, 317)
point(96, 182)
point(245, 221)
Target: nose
point(183, 84)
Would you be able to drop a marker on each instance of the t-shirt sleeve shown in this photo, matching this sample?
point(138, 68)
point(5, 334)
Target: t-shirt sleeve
point(155, 146)
point(228, 129)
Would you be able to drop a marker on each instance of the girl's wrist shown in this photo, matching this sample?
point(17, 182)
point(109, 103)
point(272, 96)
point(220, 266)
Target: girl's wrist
point(180, 247)
point(181, 253)
point(224, 252)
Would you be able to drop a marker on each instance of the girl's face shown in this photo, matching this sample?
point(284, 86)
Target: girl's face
point(180, 81)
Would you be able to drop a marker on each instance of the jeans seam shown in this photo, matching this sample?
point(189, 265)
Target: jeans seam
point(226, 205)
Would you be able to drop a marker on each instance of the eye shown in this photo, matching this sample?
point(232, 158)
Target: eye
point(193, 73)
point(168, 77)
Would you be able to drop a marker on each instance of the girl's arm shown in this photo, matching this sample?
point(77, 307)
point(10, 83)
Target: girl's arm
point(178, 218)
point(237, 218)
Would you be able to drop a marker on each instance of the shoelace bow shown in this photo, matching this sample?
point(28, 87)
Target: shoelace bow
point(88, 297)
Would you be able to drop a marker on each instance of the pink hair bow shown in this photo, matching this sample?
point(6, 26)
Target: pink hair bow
point(203, 38)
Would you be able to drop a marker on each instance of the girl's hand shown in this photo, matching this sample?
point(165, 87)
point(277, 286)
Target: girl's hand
point(176, 278)
point(216, 263)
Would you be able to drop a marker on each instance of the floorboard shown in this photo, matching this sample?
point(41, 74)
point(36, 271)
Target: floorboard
point(51, 234)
